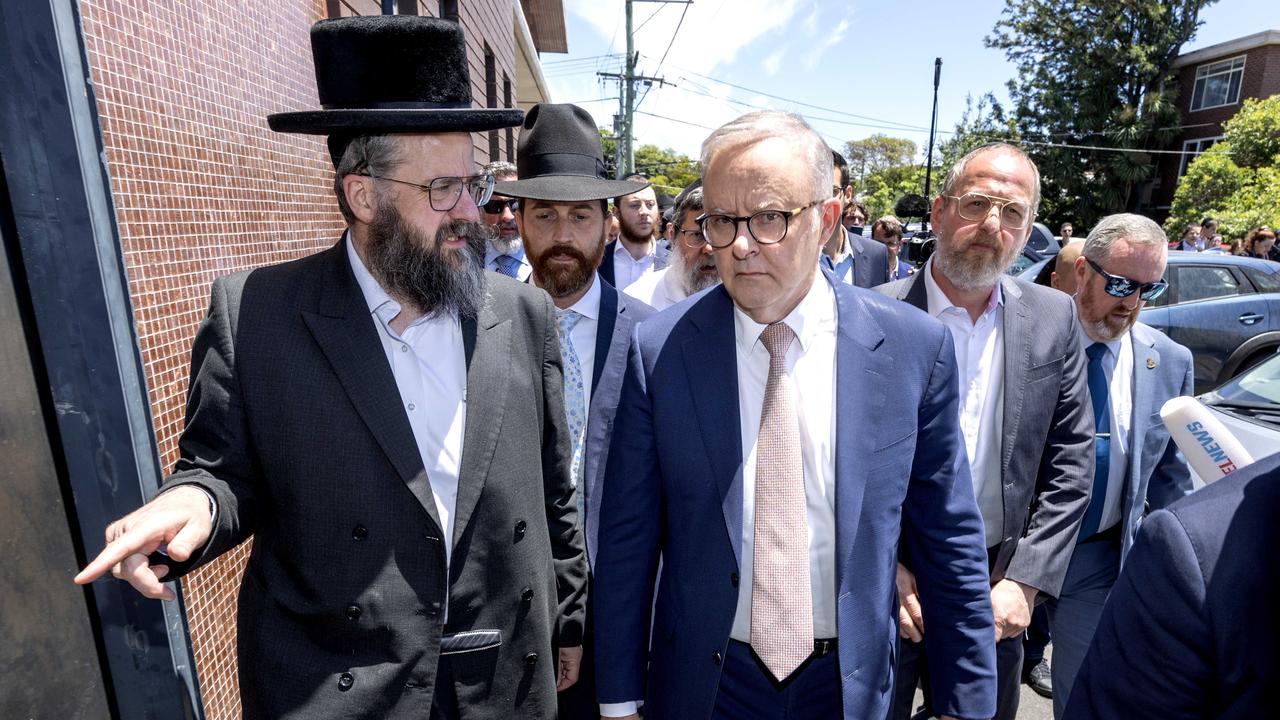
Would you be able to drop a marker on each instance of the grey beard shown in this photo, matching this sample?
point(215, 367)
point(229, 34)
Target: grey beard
point(411, 269)
point(968, 275)
point(691, 280)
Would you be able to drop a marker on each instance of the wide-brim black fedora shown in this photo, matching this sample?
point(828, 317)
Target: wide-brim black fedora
point(391, 74)
point(560, 159)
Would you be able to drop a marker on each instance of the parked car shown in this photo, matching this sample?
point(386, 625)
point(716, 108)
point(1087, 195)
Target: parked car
point(1249, 405)
point(1224, 308)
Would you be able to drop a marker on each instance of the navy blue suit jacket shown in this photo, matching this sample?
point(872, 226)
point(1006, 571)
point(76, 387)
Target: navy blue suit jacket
point(661, 256)
point(1190, 629)
point(870, 261)
point(673, 490)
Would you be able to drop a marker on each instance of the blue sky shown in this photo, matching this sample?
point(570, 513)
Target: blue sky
point(866, 58)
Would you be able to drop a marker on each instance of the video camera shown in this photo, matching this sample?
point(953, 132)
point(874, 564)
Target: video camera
point(921, 244)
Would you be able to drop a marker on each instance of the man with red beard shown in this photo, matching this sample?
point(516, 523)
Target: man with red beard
point(1024, 403)
point(386, 419)
point(563, 189)
point(1133, 370)
point(693, 265)
point(504, 252)
point(636, 253)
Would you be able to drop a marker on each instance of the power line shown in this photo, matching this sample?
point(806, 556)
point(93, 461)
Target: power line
point(587, 59)
point(673, 40)
point(652, 16)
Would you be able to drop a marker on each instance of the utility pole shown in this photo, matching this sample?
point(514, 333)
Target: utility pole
point(624, 121)
point(928, 171)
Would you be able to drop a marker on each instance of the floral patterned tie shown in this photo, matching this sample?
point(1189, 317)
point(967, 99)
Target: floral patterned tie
point(575, 398)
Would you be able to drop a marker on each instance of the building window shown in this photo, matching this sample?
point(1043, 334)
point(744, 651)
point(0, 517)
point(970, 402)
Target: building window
point(449, 10)
point(1192, 148)
point(1218, 84)
point(506, 103)
point(491, 95)
point(407, 7)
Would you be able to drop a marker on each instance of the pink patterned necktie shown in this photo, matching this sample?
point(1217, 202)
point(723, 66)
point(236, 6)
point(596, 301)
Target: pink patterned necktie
point(781, 606)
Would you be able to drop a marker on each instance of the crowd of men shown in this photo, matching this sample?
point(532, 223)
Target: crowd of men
point(1258, 242)
point(499, 464)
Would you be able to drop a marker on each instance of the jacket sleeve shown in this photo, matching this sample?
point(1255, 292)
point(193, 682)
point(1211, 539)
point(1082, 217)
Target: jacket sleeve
point(1150, 654)
point(943, 532)
point(1064, 478)
point(215, 451)
point(568, 553)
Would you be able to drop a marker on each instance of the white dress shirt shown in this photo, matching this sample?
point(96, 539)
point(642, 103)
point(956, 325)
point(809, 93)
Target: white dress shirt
point(980, 367)
point(583, 336)
point(659, 289)
point(517, 252)
point(430, 369)
point(1117, 363)
point(627, 269)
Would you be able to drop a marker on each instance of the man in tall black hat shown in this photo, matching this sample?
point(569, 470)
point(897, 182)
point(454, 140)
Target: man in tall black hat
point(563, 219)
point(386, 419)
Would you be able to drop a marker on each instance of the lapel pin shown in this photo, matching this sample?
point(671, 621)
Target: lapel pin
point(1151, 363)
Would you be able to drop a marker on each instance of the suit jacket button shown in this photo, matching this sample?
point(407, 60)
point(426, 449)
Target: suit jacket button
point(531, 659)
point(520, 526)
point(526, 595)
point(733, 579)
point(359, 533)
point(353, 612)
point(715, 657)
point(345, 681)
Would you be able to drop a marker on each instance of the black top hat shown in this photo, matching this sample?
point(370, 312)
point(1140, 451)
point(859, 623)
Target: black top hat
point(391, 74)
point(560, 159)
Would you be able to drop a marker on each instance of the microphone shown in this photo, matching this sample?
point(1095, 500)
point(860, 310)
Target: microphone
point(1207, 444)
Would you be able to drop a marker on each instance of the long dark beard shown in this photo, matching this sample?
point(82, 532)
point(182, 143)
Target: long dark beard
point(415, 270)
point(561, 281)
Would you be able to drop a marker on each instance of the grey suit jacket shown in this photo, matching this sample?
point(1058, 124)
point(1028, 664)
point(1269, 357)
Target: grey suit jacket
point(618, 317)
point(1046, 454)
point(1157, 474)
point(295, 425)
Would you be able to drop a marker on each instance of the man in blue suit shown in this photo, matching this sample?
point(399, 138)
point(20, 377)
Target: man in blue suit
point(1133, 370)
point(1190, 630)
point(749, 455)
point(849, 256)
point(562, 219)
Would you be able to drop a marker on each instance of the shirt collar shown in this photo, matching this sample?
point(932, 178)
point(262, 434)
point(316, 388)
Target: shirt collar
point(846, 249)
point(622, 251)
point(588, 306)
point(815, 313)
point(379, 301)
point(940, 303)
point(1114, 347)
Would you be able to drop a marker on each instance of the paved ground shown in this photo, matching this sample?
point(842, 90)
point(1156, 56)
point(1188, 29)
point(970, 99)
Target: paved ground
point(1030, 705)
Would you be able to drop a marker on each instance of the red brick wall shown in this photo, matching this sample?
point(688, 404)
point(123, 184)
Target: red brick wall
point(1261, 79)
point(203, 188)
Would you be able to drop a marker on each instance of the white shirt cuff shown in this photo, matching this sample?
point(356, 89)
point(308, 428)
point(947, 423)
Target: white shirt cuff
point(621, 709)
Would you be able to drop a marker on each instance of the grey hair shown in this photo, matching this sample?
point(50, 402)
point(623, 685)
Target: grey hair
point(756, 126)
point(365, 154)
point(500, 169)
point(957, 170)
point(1136, 229)
point(688, 200)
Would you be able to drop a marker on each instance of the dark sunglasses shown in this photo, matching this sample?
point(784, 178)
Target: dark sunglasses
point(1119, 286)
point(494, 206)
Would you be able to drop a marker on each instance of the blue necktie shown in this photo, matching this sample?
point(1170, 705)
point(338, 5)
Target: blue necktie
point(1098, 389)
point(575, 399)
point(508, 265)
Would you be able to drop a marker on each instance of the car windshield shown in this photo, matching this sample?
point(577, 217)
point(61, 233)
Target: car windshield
point(1259, 385)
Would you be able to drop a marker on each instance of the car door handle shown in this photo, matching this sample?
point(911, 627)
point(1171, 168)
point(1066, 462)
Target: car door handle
point(1250, 318)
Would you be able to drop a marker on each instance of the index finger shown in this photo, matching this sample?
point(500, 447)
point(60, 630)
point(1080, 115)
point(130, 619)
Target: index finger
point(130, 543)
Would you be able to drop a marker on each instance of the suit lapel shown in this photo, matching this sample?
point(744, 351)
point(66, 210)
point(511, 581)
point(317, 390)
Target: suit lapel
point(862, 381)
point(345, 331)
point(861, 268)
point(606, 265)
point(716, 403)
point(489, 364)
point(1145, 357)
point(604, 332)
point(1018, 335)
point(916, 293)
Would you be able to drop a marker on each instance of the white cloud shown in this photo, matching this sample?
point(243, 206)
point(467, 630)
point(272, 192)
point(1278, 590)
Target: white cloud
point(773, 62)
point(810, 24)
point(830, 40)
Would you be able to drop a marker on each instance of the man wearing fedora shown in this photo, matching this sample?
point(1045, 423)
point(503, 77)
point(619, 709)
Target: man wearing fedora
point(386, 420)
point(563, 190)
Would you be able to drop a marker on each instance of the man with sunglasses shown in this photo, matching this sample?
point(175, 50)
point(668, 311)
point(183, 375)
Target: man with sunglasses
point(1133, 370)
point(385, 418)
point(1024, 406)
point(752, 462)
point(504, 252)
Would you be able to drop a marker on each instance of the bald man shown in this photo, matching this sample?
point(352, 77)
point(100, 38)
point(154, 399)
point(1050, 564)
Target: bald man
point(1063, 277)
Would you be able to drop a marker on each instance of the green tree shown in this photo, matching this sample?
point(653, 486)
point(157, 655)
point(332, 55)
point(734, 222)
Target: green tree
point(877, 154)
point(668, 171)
point(1098, 74)
point(982, 122)
point(1237, 182)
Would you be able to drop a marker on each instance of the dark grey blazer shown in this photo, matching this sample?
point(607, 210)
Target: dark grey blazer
point(1046, 455)
point(619, 314)
point(295, 426)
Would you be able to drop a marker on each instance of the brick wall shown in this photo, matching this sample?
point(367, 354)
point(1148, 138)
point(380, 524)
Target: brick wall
point(203, 188)
point(1261, 79)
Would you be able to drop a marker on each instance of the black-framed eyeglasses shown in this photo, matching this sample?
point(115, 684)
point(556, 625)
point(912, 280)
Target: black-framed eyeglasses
point(766, 227)
point(444, 192)
point(1122, 287)
point(495, 205)
point(976, 207)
